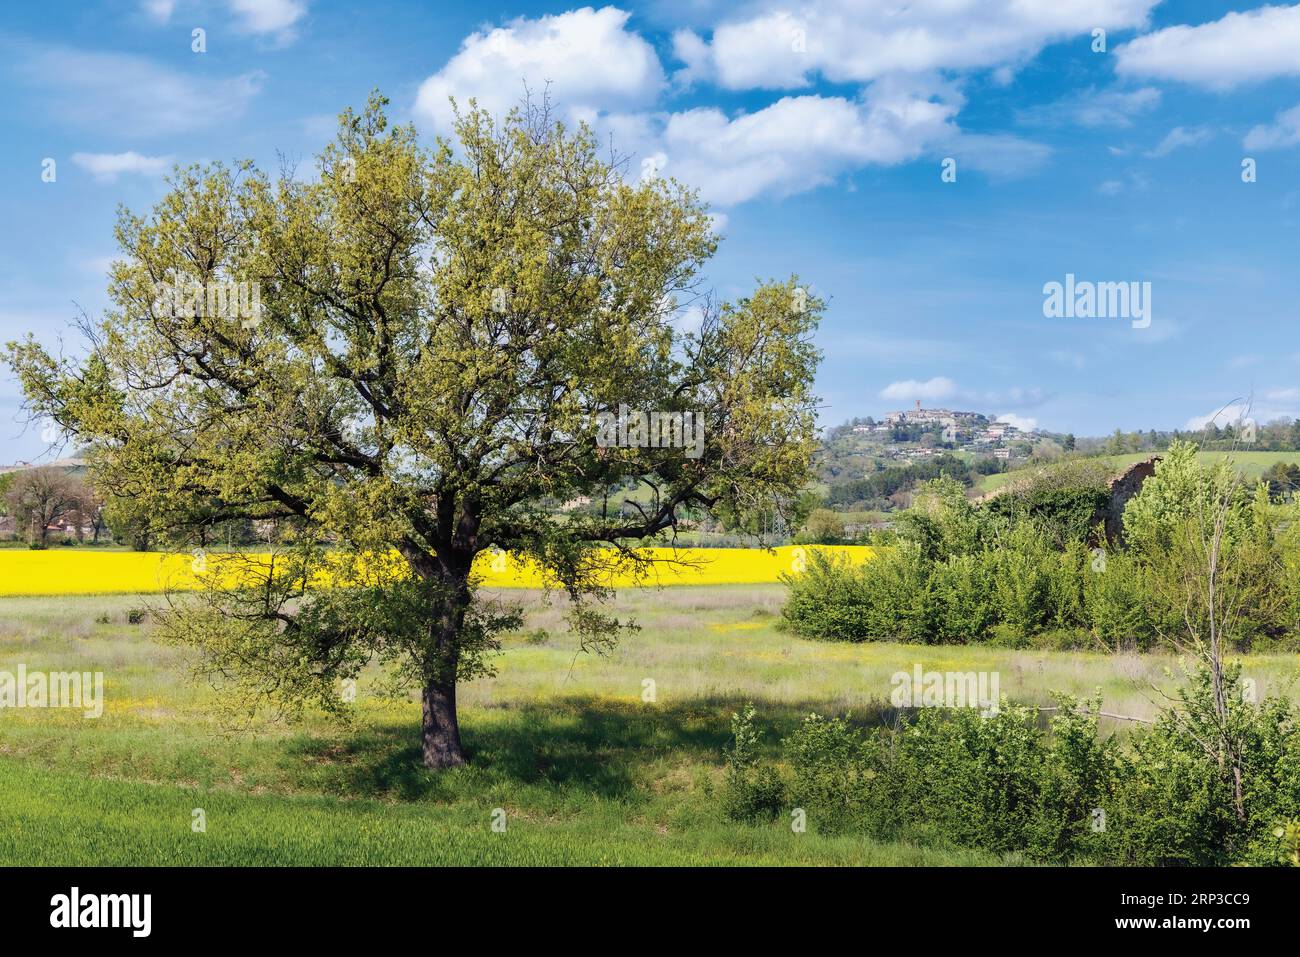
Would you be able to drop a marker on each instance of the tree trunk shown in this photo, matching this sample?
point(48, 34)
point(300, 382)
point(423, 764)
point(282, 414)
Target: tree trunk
point(440, 732)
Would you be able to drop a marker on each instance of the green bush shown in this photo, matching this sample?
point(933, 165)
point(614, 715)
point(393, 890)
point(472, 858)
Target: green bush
point(962, 594)
point(752, 792)
point(1060, 514)
point(888, 598)
point(1118, 603)
point(958, 777)
point(1178, 805)
point(1061, 793)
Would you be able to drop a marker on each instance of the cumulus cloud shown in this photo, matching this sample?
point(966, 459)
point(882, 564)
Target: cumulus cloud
point(931, 390)
point(797, 143)
point(1239, 48)
point(605, 74)
point(107, 167)
point(801, 142)
point(862, 40)
point(1285, 131)
point(1022, 422)
point(591, 60)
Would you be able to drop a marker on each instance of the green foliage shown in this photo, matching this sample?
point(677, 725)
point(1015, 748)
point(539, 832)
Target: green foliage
point(996, 781)
point(942, 522)
point(964, 599)
point(1023, 571)
point(1177, 803)
point(442, 338)
point(888, 598)
point(1179, 491)
point(822, 527)
point(1117, 602)
point(1062, 515)
point(876, 488)
point(751, 792)
point(1064, 793)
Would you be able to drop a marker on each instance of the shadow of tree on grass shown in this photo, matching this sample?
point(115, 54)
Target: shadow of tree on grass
point(592, 746)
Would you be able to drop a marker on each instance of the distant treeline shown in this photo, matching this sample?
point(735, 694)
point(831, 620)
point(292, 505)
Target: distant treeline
point(879, 486)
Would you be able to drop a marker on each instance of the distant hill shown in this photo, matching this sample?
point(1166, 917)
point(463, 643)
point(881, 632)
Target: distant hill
point(75, 465)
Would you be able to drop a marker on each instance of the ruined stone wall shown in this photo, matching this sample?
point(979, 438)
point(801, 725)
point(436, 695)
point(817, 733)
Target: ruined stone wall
point(1122, 488)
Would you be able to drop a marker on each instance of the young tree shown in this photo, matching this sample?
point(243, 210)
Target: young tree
point(442, 336)
point(1213, 562)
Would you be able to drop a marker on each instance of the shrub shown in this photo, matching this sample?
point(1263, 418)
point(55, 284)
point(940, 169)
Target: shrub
point(1177, 803)
point(1118, 603)
point(886, 598)
point(752, 792)
point(831, 781)
point(956, 777)
point(963, 609)
point(1064, 793)
point(1061, 514)
point(1022, 581)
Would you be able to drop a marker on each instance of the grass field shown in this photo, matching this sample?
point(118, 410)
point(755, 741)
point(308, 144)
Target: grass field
point(1250, 464)
point(585, 771)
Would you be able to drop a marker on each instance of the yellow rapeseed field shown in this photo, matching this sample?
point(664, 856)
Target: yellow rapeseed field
point(83, 572)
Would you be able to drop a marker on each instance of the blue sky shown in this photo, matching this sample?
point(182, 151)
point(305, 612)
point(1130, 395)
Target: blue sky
point(818, 132)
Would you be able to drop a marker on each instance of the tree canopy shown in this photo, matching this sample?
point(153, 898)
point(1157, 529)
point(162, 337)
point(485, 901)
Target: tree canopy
point(406, 362)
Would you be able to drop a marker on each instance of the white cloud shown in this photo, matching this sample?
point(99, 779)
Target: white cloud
point(1284, 132)
point(691, 50)
point(268, 16)
point(107, 167)
point(1230, 414)
point(1021, 422)
point(797, 143)
point(1239, 48)
point(862, 40)
point(1179, 137)
point(608, 76)
point(1131, 181)
point(800, 143)
point(931, 390)
point(605, 74)
point(125, 94)
point(159, 10)
point(589, 58)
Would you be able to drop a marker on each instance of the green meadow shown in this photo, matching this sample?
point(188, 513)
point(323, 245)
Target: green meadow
point(566, 749)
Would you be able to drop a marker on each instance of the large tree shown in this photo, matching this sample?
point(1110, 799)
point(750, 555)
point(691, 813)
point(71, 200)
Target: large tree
point(442, 334)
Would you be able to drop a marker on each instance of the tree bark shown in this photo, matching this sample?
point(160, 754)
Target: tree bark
point(440, 732)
